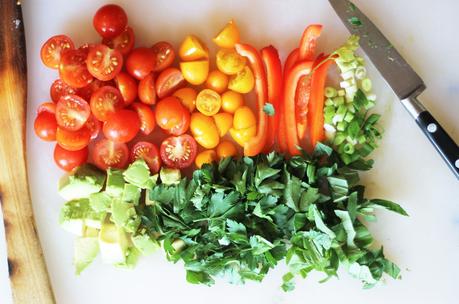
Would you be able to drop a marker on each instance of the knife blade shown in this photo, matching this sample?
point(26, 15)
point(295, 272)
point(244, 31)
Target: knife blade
point(399, 75)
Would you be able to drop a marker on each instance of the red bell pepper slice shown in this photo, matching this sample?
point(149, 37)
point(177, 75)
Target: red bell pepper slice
point(291, 60)
point(273, 67)
point(309, 42)
point(256, 144)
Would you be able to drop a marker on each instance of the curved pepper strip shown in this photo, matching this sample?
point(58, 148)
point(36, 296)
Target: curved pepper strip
point(291, 60)
point(256, 144)
point(291, 81)
point(273, 66)
point(308, 42)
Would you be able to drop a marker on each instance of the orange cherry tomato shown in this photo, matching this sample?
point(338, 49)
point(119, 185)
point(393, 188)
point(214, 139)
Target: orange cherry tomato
point(208, 102)
point(223, 121)
point(188, 97)
point(226, 149)
point(217, 81)
point(172, 116)
point(205, 157)
point(204, 130)
point(231, 101)
point(193, 49)
point(228, 36)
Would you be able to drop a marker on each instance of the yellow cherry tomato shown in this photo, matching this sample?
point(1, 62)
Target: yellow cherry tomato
point(195, 72)
point(204, 130)
point(228, 36)
point(188, 97)
point(229, 61)
point(205, 157)
point(226, 149)
point(208, 102)
point(244, 118)
point(217, 81)
point(242, 136)
point(243, 82)
point(193, 49)
point(223, 121)
point(231, 101)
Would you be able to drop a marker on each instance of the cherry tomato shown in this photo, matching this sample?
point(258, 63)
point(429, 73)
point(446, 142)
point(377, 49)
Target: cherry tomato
point(59, 89)
point(205, 157)
point(147, 117)
point(172, 116)
point(217, 81)
point(208, 102)
point(104, 63)
point(122, 126)
point(226, 149)
point(105, 102)
point(229, 61)
point(68, 160)
point(140, 62)
point(244, 118)
point(165, 55)
point(231, 101)
point(228, 36)
point(149, 153)
point(188, 97)
point(109, 154)
point(73, 70)
point(72, 112)
point(94, 126)
point(73, 140)
point(147, 92)
point(178, 151)
point(110, 20)
point(87, 91)
point(204, 130)
point(224, 122)
point(193, 49)
point(52, 50)
point(195, 72)
point(49, 107)
point(45, 126)
point(124, 42)
point(127, 87)
point(169, 81)
point(243, 82)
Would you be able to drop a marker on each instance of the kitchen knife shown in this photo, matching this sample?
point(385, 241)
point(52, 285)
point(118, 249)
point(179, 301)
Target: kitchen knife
point(403, 80)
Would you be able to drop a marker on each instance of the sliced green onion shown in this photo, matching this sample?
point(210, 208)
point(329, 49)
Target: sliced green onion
point(348, 117)
point(341, 126)
point(330, 131)
point(366, 84)
point(339, 100)
point(362, 139)
point(369, 105)
point(348, 75)
point(345, 55)
point(329, 102)
point(339, 138)
point(348, 83)
point(360, 72)
point(360, 60)
point(330, 92)
point(347, 66)
point(341, 93)
point(351, 108)
point(349, 148)
point(371, 97)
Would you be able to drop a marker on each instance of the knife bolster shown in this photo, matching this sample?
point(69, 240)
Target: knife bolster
point(413, 106)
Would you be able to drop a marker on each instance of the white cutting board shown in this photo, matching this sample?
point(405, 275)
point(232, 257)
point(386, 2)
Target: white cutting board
point(407, 170)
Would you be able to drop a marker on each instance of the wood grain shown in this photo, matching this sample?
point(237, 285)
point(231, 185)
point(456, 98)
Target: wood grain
point(28, 275)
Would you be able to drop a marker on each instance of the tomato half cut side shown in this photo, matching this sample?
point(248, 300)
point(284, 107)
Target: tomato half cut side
point(72, 112)
point(59, 89)
point(165, 55)
point(122, 126)
point(140, 62)
point(73, 140)
point(178, 151)
point(104, 63)
point(94, 126)
point(110, 20)
point(73, 70)
point(146, 90)
point(149, 153)
point(105, 102)
point(169, 81)
point(87, 91)
point(48, 106)
point(172, 116)
point(127, 86)
point(45, 126)
point(109, 154)
point(53, 48)
point(146, 116)
point(68, 160)
point(124, 42)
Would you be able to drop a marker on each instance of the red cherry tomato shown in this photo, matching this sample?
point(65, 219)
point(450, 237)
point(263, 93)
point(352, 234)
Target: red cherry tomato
point(87, 91)
point(53, 48)
point(172, 116)
point(94, 126)
point(110, 20)
point(86, 47)
point(68, 160)
point(45, 126)
point(147, 117)
point(73, 140)
point(59, 89)
point(127, 87)
point(72, 112)
point(178, 151)
point(140, 62)
point(148, 152)
point(165, 55)
point(147, 92)
point(49, 107)
point(105, 102)
point(107, 153)
point(73, 70)
point(168, 81)
point(103, 62)
point(122, 126)
point(124, 42)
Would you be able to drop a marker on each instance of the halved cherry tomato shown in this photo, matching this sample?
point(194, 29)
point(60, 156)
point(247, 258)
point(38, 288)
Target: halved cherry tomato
point(193, 49)
point(49, 107)
point(204, 130)
point(45, 126)
point(226, 149)
point(149, 153)
point(140, 62)
point(147, 117)
point(52, 50)
point(110, 20)
point(59, 89)
point(165, 55)
point(105, 102)
point(231, 101)
point(188, 97)
point(208, 102)
point(73, 140)
point(104, 63)
point(229, 61)
point(94, 126)
point(86, 47)
point(127, 87)
point(109, 154)
point(224, 122)
point(72, 112)
point(205, 157)
point(242, 82)
point(195, 72)
point(146, 90)
point(178, 151)
point(122, 126)
point(124, 42)
point(87, 91)
point(73, 70)
point(228, 36)
point(68, 160)
point(172, 116)
point(168, 81)
point(217, 81)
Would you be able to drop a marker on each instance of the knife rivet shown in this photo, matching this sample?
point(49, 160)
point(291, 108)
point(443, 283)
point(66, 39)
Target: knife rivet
point(432, 128)
point(457, 163)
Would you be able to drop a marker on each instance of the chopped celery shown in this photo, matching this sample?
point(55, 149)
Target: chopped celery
point(339, 100)
point(330, 92)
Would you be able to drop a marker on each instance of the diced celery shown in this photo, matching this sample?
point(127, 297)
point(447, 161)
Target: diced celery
point(330, 92)
point(341, 126)
point(366, 84)
point(339, 100)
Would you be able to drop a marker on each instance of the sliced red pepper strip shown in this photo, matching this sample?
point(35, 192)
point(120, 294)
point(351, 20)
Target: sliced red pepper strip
point(282, 136)
point(291, 60)
point(273, 67)
point(256, 144)
point(309, 42)
point(291, 82)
